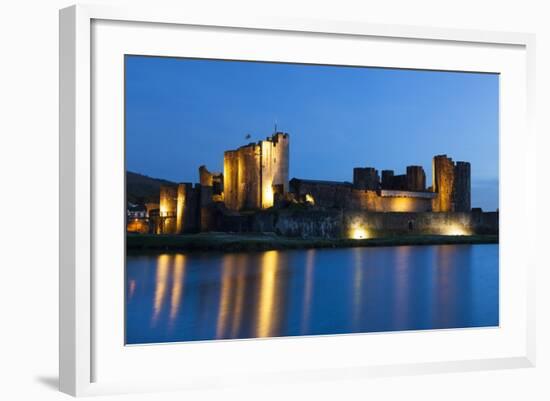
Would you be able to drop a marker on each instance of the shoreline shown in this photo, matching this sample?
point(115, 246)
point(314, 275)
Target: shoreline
point(227, 242)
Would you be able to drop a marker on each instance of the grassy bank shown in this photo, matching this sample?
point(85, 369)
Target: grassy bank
point(258, 242)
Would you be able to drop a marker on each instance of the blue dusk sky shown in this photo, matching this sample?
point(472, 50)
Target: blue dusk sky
point(182, 113)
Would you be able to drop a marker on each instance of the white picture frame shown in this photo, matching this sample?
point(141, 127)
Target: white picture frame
point(80, 314)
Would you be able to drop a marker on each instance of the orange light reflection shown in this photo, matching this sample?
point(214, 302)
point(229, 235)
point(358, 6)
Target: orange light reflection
point(160, 285)
point(177, 286)
point(267, 294)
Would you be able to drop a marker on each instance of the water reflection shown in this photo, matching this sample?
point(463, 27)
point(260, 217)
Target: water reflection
point(177, 286)
point(308, 290)
point(402, 278)
point(229, 310)
point(358, 270)
point(267, 293)
point(239, 298)
point(131, 288)
point(196, 296)
point(160, 287)
point(452, 289)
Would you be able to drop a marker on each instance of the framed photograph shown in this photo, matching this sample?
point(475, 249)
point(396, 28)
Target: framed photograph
point(276, 200)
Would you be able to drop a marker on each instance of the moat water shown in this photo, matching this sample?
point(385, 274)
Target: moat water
point(209, 296)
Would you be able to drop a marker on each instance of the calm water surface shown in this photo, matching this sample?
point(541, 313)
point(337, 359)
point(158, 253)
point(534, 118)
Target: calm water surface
point(207, 296)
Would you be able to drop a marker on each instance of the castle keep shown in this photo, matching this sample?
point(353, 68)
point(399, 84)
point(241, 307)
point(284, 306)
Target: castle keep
point(254, 173)
point(254, 194)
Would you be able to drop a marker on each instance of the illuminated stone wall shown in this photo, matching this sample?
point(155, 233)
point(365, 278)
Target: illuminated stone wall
point(251, 172)
point(452, 184)
point(179, 210)
point(342, 195)
point(278, 159)
point(214, 180)
point(442, 223)
point(231, 179)
point(335, 223)
point(249, 190)
point(267, 173)
point(168, 209)
point(206, 177)
point(398, 201)
point(442, 183)
point(325, 194)
point(398, 193)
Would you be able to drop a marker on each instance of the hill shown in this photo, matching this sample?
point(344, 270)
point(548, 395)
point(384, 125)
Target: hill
point(141, 188)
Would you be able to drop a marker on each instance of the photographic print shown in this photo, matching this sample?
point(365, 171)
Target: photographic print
point(270, 199)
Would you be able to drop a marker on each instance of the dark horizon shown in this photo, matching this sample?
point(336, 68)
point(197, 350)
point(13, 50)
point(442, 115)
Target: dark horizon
point(358, 117)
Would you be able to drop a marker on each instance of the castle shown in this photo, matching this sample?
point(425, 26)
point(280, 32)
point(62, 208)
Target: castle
point(254, 194)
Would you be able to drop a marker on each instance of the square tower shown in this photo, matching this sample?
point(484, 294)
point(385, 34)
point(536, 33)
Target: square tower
point(252, 171)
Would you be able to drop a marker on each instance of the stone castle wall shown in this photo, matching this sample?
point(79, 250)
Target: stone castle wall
point(416, 178)
point(206, 178)
point(387, 179)
point(231, 179)
point(188, 208)
point(214, 180)
point(338, 223)
point(461, 190)
point(328, 194)
point(325, 194)
point(452, 184)
point(366, 178)
point(277, 156)
point(324, 224)
point(242, 178)
point(249, 193)
point(442, 223)
point(168, 209)
point(251, 172)
point(442, 183)
point(184, 208)
point(374, 202)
